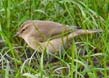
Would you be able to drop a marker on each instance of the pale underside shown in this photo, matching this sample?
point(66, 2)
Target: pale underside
point(55, 45)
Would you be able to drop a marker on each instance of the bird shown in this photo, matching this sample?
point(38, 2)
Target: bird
point(47, 35)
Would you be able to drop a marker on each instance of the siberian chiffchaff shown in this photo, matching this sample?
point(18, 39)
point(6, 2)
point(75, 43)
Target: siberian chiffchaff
point(41, 35)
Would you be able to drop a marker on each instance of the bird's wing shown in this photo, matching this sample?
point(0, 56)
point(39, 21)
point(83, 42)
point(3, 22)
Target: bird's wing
point(52, 29)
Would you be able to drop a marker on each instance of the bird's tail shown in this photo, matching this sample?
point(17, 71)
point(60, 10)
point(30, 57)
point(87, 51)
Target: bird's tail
point(82, 31)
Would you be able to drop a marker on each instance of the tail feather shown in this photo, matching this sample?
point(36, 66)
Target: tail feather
point(82, 31)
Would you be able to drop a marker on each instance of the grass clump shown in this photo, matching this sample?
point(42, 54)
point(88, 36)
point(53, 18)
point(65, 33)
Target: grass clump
point(87, 58)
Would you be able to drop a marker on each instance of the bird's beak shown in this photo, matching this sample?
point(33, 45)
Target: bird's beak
point(17, 34)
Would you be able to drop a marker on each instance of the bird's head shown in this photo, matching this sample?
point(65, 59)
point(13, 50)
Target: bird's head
point(26, 29)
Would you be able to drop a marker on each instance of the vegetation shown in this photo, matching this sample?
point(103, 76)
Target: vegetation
point(87, 58)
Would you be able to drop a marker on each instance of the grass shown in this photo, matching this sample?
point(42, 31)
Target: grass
point(87, 58)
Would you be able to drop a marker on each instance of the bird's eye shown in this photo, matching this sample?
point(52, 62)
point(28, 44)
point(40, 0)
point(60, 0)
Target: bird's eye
point(23, 30)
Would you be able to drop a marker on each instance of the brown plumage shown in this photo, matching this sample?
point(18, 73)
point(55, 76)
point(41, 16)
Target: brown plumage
point(41, 35)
